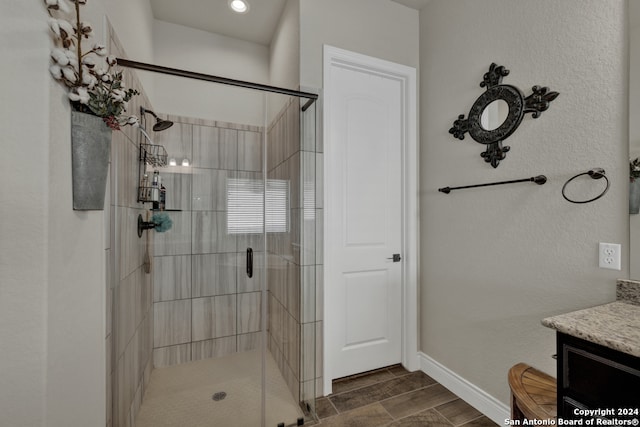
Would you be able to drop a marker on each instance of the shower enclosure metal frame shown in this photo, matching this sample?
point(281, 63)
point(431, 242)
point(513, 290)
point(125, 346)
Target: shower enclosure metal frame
point(310, 100)
point(312, 97)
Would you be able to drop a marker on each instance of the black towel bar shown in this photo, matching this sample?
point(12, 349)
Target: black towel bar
point(540, 179)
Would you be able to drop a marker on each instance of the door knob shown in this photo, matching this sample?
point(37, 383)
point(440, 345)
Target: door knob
point(395, 258)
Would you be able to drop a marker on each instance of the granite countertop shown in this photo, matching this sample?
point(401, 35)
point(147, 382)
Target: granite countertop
point(615, 325)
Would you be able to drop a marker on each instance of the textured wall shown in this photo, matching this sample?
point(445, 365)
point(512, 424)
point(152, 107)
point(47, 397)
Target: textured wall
point(378, 28)
point(24, 210)
point(284, 63)
point(494, 261)
point(52, 258)
point(133, 22)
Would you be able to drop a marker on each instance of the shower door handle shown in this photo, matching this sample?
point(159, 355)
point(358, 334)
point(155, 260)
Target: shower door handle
point(249, 262)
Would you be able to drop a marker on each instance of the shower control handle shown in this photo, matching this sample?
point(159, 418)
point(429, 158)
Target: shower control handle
point(249, 262)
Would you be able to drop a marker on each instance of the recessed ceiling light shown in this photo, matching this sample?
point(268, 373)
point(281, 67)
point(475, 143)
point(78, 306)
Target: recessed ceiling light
point(239, 6)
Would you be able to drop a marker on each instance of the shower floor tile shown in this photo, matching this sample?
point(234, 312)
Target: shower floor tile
point(182, 395)
point(394, 397)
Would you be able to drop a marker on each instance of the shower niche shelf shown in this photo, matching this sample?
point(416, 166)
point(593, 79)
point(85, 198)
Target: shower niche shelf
point(156, 157)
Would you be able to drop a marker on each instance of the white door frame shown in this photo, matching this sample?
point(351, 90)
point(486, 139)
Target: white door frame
point(335, 57)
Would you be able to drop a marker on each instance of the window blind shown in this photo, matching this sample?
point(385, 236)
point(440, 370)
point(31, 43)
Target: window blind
point(246, 206)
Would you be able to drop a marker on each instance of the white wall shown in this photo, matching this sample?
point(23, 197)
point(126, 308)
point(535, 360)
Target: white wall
point(377, 28)
point(180, 47)
point(495, 261)
point(284, 58)
point(52, 278)
point(76, 288)
point(23, 209)
point(284, 61)
point(133, 23)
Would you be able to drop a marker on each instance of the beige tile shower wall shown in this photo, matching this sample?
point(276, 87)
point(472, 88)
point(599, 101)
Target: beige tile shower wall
point(129, 332)
point(204, 304)
point(293, 264)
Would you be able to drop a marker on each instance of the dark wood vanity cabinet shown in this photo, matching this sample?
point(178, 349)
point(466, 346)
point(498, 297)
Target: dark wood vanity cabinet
point(591, 376)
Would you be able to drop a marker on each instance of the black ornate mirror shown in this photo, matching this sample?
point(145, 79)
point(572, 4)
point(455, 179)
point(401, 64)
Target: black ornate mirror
point(490, 127)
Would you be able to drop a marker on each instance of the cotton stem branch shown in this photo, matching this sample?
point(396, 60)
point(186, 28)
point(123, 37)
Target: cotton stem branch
point(79, 40)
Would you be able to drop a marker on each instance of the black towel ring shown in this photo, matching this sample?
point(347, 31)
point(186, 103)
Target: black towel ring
point(596, 173)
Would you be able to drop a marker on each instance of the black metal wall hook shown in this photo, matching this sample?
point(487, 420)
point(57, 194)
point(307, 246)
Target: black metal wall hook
point(540, 179)
point(596, 173)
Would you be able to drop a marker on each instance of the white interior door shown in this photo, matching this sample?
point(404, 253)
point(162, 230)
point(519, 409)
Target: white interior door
point(365, 136)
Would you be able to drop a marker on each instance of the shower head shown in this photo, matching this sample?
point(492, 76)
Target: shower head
point(160, 124)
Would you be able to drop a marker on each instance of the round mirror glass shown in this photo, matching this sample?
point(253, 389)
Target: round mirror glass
point(494, 115)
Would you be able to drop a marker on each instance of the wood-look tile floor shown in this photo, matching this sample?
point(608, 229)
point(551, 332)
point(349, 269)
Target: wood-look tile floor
point(394, 397)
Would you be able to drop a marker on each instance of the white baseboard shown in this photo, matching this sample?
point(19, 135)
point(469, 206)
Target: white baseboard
point(497, 411)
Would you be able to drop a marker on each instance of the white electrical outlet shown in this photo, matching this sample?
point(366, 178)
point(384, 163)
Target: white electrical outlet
point(609, 256)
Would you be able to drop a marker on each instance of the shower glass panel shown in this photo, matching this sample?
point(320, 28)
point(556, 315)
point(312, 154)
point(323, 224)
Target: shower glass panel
point(290, 164)
point(233, 281)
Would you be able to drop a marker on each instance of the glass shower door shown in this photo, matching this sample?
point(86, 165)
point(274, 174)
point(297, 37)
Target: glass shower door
point(290, 160)
point(234, 279)
point(272, 209)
